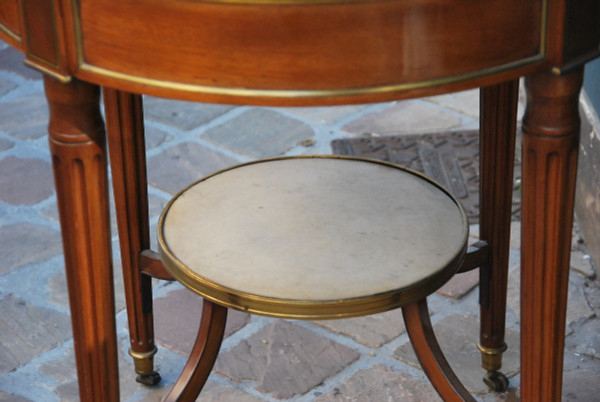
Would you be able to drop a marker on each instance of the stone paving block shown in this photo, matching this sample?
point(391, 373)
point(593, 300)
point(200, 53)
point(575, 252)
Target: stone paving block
point(373, 331)
point(460, 285)
point(466, 102)
point(327, 114)
point(50, 212)
point(68, 392)
point(64, 372)
point(57, 286)
point(25, 243)
point(6, 86)
point(212, 392)
point(6, 144)
point(581, 386)
point(25, 181)
point(155, 137)
point(458, 336)
point(381, 383)
point(515, 235)
point(582, 263)
point(578, 308)
point(512, 394)
point(586, 340)
point(177, 316)
point(155, 207)
point(285, 359)
point(6, 397)
point(178, 166)
point(513, 296)
point(249, 134)
point(12, 60)
point(182, 115)
point(404, 117)
point(25, 118)
point(63, 369)
point(28, 331)
point(217, 392)
point(592, 295)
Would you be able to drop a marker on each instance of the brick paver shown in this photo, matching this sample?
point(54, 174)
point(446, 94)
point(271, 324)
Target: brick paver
point(381, 383)
point(25, 181)
point(248, 134)
point(285, 359)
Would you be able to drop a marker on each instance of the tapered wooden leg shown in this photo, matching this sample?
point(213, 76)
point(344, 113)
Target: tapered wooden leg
point(498, 124)
point(77, 143)
point(203, 355)
point(431, 357)
point(550, 145)
point(125, 127)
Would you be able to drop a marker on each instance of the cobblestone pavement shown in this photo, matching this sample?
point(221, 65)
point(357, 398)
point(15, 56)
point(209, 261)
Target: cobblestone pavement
point(362, 359)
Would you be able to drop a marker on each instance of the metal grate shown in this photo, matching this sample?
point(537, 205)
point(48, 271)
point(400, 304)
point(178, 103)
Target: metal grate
point(450, 158)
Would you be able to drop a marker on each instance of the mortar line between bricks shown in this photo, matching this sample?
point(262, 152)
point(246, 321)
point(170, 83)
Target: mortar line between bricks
point(43, 271)
point(221, 119)
point(241, 158)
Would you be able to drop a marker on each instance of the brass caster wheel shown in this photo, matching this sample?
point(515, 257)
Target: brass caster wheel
point(148, 379)
point(496, 380)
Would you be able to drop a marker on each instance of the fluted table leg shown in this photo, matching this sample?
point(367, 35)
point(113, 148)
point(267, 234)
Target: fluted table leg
point(125, 127)
point(550, 146)
point(77, 144)
point(498, 118)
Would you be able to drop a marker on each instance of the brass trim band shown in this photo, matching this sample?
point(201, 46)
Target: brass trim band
point(308, 309)
point(143, 361)
point(10, 33)
point(316, 93)
point(65, 79)
point(491, 358)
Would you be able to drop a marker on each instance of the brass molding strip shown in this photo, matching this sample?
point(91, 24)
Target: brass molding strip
point(65, 79)
point(309, 309)
point(10, 33)
point(316, 93)
point(576, 62)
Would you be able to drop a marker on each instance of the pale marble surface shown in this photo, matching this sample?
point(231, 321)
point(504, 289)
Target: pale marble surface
point(315, 229)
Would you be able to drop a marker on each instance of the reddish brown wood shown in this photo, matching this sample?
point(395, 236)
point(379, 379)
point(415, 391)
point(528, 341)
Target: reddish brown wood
point(574, 32)
point(43, 37)
point(125, 127)
point(331, 45)
point(431, 357)
point(9, 22)
point(477, 255)
point(77, 143)
point(244, 36)
point(498, 122)
point(550, 146)
point(151, 264)
point(203, 355)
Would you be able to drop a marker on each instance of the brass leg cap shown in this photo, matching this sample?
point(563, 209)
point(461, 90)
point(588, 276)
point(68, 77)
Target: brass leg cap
point(491, 358)
point(143, 361)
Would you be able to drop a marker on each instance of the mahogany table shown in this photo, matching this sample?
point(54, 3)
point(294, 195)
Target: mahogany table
point(308, 52)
